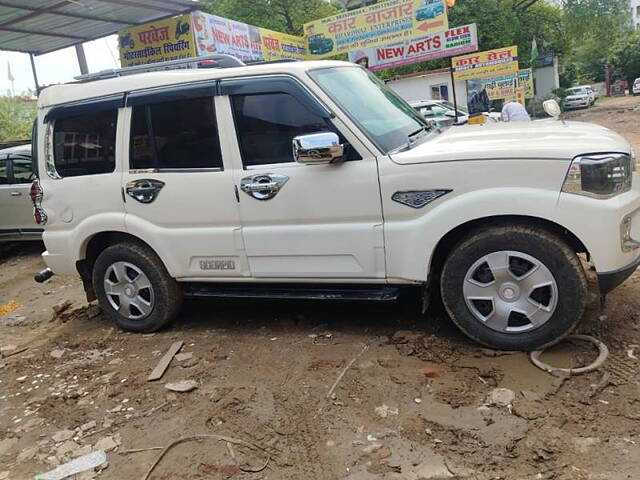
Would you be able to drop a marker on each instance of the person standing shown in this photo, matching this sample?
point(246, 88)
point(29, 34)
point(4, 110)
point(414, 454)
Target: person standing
point(514, 112)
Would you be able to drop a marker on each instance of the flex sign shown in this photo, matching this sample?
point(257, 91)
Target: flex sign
point(454, 41)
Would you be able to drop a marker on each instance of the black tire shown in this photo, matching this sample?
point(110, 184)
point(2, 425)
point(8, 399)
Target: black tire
point(547, 248)
point(167, 294)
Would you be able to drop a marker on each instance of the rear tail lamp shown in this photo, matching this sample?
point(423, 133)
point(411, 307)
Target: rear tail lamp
point(599, 176)
point(36, 193)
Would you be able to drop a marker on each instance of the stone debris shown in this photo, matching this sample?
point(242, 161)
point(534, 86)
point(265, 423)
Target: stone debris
point(384, 411)
point(85, 427)
point(27, 454)
point(182, 386)
point(501, 397)
point(57, 353)
point(66, 447)
point(107, 444)
point(7, 445)
point(62, 436)
point(181, 357)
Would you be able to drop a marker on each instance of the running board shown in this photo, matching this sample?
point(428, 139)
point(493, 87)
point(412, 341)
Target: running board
point(293, 292)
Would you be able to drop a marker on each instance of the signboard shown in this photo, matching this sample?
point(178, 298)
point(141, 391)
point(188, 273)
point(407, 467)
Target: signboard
point(376, 25)
point(169, 39)
point(419, 49)
point(525, 82)
point(249, 43)
point(509, 87)
point(489, 64)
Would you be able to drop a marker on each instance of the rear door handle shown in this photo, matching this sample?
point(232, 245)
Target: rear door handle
point(16, 194)
point(144, 190)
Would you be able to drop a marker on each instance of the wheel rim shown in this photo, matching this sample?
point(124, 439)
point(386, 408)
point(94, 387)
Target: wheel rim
point(510, 292)
point(128, 290)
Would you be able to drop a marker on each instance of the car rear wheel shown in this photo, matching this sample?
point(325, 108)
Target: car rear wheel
point(134, 288)
point(514, 287)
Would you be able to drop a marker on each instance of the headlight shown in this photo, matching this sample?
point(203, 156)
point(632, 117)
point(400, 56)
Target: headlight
point(602, 175)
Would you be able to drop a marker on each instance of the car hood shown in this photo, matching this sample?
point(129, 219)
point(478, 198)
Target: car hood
point(578, 96)
point(541, 139)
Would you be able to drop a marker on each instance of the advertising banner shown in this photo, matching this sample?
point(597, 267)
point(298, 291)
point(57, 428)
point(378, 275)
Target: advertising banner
point(218, 35)
point(419, 49)
point(489, 64)
point(509, 87)
point(169, 39)
point(376, 25)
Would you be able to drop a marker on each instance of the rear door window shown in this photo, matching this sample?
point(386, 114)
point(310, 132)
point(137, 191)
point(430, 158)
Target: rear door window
point(85, 144)
point(175, 135)
point(22, 169)
point(4, 171)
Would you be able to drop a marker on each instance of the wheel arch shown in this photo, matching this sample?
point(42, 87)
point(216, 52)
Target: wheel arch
point(94, 245)
point(446, 244)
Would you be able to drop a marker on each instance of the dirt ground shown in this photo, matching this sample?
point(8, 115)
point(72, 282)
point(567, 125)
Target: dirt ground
point(415, 401)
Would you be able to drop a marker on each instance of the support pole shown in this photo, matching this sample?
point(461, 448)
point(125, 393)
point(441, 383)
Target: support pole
point(35, 74)
point(453, 87)
point(82, 60)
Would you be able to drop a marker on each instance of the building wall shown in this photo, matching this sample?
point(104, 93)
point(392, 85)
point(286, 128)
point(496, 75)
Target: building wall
point(420, 88)
point(635, 13)
point(546, 79)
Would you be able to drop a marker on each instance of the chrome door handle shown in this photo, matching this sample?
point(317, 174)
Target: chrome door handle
point(263, 186)
point(144, 190)
point(16, 194)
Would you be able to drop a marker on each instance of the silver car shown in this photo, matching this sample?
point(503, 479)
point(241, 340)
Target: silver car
point(16, 208)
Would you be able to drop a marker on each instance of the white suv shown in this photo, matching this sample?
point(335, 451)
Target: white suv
point(315, 180)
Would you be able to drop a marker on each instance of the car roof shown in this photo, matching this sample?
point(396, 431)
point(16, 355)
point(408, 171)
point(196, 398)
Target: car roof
point(423, 103)
point(18, 149)
point(78, 91)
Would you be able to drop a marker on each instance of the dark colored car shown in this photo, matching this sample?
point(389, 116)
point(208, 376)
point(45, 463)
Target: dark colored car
point(319, 44)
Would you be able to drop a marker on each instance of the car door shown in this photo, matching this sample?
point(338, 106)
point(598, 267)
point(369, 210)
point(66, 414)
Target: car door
point(8, 213)
point(179, 194)
point(22, 174)
point(324, 221)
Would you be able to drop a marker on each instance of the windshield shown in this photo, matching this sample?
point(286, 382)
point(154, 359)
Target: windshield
point(577, 90)
point(450, 106)
point(386, 119)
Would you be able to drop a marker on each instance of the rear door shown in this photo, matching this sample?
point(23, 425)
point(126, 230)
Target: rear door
point(179, 193)
point(8, 213)
point(326, 220)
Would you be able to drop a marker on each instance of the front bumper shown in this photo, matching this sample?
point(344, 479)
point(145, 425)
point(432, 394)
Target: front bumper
point(576, 103)
point(607, 281)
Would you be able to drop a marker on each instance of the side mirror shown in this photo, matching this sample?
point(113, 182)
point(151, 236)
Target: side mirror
point(317, 148)
point(552, 108)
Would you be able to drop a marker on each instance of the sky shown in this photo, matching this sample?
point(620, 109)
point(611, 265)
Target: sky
point(56, 67)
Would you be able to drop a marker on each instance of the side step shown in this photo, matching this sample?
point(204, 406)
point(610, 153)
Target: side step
point(293, 292)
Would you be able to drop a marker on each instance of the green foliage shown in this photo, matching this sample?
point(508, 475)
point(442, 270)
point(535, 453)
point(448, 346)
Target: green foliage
point(561, 92)
point(16, 118)
point(286, 16)
point(625, 56)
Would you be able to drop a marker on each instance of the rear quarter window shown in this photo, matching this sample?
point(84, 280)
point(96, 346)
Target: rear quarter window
point(85, 144)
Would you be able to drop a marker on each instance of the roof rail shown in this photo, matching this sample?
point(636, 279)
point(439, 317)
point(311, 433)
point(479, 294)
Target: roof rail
point(207, 61)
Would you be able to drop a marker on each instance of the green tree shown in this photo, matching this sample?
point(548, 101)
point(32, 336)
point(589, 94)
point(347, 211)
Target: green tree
point(625, 56)
point(16, 118)
point(280, 15)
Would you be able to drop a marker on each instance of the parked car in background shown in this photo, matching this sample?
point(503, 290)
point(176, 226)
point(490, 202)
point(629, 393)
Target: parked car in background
point(636, 87)
point(441, 113)
point(16, 209)
point(579, 97)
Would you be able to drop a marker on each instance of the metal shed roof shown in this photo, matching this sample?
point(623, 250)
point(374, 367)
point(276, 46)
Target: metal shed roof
point(42, 26)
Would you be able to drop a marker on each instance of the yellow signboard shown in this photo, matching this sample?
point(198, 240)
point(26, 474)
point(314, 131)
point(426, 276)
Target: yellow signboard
point(169, 39)
point(489, 64)
point(276, 46)
point(525, 81)
point(379, 24)
point(510, 87)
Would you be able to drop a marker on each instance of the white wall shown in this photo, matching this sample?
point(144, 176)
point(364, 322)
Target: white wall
point(419, 88)
point(546, 79)
point(635, 17)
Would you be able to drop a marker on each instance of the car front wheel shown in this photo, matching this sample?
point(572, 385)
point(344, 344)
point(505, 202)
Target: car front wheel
point(514, 287)
point(134, 288)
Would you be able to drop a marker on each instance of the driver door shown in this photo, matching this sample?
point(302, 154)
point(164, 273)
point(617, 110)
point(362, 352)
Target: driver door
point(324, 221)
